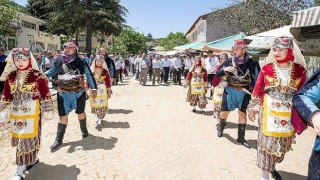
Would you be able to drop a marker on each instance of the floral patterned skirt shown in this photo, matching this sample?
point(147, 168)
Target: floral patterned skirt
point(196, 99)
point(271, 150)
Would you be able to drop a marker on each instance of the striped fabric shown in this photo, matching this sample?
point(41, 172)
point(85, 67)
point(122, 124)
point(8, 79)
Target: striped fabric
point(308, 17)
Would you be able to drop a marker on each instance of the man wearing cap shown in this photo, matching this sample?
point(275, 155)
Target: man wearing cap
point(241, 73)
point(3, 63)
point(211, 64)
point(71, 89)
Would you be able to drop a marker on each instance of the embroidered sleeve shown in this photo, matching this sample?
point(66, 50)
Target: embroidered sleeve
point(189, 76)
point(257, 94)
point(108, 81)
point(205, 76)
point(7, 97)
point(43, 88)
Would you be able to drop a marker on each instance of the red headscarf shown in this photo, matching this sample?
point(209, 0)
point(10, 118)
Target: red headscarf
point(289, 57)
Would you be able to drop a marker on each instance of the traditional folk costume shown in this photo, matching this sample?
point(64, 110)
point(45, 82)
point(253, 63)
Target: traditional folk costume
point(71, 89)
point(236, 94)
point(30, 100)
point(218, 85)
point(273, 92)
point(99, 104)
point(197, 80)
point(306, 105)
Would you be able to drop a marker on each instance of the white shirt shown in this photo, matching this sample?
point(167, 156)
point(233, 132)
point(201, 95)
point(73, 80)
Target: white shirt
point(118, 64)
point(188, 63)
point(177, 63)
point(211, 64)
point(156, 64)
point(144, 63)
point(165, 63)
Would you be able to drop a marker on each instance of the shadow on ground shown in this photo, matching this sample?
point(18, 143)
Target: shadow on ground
point(91, 143)
point(115, 125)
point(291, 176)
point(44, 171)
point(252, 142)
point(231, 125)
point(119, 111)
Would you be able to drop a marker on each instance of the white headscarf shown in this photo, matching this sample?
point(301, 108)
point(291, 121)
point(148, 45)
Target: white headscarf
point(10, 66)
point(298, 57)
point(93, 65)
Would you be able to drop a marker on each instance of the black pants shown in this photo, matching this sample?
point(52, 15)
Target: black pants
point(165, 73)
point(177, 76)
point(118, 75)
point(185, 73)
point(210, 78)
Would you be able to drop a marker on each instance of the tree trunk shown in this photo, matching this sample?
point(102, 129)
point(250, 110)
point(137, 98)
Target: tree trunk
point(89, 24)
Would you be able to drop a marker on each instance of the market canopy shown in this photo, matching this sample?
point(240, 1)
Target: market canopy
point(223, 45)
point(306, 24)
point(195, 46)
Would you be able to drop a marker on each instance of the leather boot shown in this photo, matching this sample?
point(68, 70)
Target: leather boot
point(241, 133)
point(59, 138)
point(83, 127)
point(275, 175)
point(220, 127)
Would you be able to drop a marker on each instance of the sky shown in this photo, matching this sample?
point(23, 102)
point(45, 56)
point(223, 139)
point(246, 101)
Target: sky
point(160, 17)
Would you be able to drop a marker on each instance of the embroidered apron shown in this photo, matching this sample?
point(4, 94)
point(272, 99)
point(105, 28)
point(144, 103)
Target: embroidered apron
point(218, 92)
point(197, 85)
point(102, 97)
point(277, 116)
point(24, 118)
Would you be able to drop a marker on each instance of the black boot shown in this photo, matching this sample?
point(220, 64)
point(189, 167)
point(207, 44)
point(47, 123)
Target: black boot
point(59, 138)
point(275, 175)
point(83, 127)
point(220, 127)
point(241, 133)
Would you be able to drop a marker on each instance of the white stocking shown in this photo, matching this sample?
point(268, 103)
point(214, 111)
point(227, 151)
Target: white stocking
point(265, 175)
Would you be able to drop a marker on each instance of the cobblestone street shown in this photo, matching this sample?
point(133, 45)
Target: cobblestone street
point(151, 133)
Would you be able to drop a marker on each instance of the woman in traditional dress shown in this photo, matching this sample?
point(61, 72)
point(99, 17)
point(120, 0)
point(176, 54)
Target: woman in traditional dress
point(99, 105)
point(26, 91)
point(197, 80)
point(218, 87)
point(283, 74)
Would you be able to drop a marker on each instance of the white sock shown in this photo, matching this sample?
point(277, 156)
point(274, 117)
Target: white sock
point(20, 170)
point(218, 121)
point(265, 175)
point(194, 108)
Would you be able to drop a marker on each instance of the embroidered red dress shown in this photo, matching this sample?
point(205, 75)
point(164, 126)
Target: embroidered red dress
point(197, 87)
point(273, 91)
point(28, 97)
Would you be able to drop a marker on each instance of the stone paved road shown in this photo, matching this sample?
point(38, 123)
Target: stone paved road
point(150, 133)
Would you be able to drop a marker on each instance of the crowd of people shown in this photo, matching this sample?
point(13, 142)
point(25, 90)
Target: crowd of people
point(279, 93)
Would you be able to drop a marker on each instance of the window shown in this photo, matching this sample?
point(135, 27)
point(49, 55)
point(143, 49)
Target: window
point(52, 47)
point(36, 47)
point(30, 25)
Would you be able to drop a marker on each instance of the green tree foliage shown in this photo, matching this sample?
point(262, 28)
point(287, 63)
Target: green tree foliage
point(254, 16)
point(8, 13)
point(317, 2)
point(149, 36)
point(130, 42)
point(75, 16)
point(173, 40)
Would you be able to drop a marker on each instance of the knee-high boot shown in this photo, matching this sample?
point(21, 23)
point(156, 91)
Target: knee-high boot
point(220, 127)
point(241, 133)
point(83, 127)
point(60, 134)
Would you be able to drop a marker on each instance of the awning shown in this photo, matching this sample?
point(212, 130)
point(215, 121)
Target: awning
point(223, 45)
point(195, 46)
point(306, 24)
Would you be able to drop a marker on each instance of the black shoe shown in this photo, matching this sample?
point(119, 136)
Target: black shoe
point(59, 138)
point(83, 127)
point(241, 133)
point(220, 127)
point(275, 175)
point(193, 110)
point(202, 112)
point(28, 167)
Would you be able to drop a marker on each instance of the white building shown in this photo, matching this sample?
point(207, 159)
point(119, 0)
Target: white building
point(29, 35)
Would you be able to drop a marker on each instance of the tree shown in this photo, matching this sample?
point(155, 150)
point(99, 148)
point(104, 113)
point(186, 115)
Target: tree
point(130, 42)
point(173, 40)
point(254, 16)
point(37, 8)
point(74, 16)
point(8, 13)
point(149, 36)
point(317, 2)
